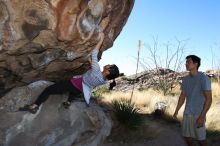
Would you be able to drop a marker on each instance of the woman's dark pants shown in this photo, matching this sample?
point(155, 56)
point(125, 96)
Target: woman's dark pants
point(58, 88)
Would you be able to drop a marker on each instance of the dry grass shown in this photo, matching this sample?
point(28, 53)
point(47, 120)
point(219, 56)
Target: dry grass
point(213, 117)
point(146, 101)
point(215, 93)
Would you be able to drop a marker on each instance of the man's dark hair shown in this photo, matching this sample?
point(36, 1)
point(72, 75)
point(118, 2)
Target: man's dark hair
point(113, 72)
point(195, 59)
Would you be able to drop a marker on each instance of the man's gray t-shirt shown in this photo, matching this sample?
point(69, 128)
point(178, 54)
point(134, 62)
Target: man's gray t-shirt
point(194, 87)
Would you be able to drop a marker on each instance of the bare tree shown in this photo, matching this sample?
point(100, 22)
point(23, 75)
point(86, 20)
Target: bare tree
point(218, 69)
point(216, 63)
point(164, 67)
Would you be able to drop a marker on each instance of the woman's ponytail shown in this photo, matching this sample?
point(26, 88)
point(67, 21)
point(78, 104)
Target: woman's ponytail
point(112, 84)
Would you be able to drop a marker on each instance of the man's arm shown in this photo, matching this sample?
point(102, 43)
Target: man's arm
point(181, 101)
point(207, 104)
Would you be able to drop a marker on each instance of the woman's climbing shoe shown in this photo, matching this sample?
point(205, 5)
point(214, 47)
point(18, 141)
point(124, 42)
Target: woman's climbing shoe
point(66, 104)
point(30, 108)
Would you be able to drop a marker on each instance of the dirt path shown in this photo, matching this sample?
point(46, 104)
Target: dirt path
point(167, 135)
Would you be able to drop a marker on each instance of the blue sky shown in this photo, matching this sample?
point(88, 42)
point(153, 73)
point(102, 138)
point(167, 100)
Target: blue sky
point(197, 21)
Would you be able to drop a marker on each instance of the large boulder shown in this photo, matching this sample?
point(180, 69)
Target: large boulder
point(52, 125)
point(52, 39)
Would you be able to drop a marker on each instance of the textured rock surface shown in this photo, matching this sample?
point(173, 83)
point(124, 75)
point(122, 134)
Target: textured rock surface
point(52, 125)
point(52, 39)
point(146, 79)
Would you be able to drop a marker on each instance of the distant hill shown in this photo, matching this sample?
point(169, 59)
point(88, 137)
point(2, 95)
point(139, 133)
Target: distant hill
point(147, 79)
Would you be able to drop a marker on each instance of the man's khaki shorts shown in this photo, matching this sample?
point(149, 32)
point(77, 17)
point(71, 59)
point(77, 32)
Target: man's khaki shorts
point(189, 128)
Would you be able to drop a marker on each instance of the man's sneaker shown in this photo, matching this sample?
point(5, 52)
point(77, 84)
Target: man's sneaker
point(31, 108)
point(66, 104)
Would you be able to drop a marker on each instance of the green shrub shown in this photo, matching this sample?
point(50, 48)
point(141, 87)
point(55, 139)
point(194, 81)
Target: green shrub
point(127, 113)
point(124, 78)
point(143, 88)
point(98, 93)
point(213, 80)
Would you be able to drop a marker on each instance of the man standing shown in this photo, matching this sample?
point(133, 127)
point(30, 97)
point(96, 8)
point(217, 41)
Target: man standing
point(196, 89)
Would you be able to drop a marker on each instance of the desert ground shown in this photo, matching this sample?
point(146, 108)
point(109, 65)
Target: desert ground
point(162, 131)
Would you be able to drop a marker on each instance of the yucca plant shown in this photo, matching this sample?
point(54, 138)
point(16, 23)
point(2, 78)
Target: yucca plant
point(127, 113)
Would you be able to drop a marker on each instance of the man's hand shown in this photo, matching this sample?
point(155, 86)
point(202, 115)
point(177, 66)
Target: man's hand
point(181, 100)
point(208, 101)
point(200, 121)
point(175, 116)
